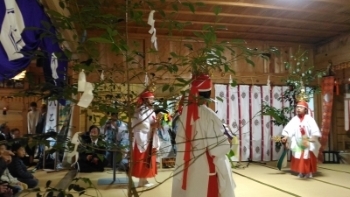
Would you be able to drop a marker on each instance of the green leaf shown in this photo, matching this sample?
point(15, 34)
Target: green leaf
point(231, 153)
point(48, 183)
point(50, 194)
point(190, 6)
point(62, 5)
point(219, 98)
point(162, 13)
point(200, 4)
point(182, 80)
point(173, 54)
point(249, 61)
point(189, 46)
point(217, 10)
point(234, 83)
point(175, 7)
point(165, 87)
point(46, 24)
point(103, 120)
point(100, 40)
point(61, 194)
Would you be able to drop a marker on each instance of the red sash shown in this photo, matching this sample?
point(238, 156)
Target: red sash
point(213, 183)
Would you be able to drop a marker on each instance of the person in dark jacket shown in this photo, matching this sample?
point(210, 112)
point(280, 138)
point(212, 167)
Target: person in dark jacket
point(19, 170)
point(92, 159)
point(5, 131)
point(40, 128)
point(5, 189)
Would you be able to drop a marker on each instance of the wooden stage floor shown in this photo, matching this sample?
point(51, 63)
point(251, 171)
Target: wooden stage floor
point(256, 180)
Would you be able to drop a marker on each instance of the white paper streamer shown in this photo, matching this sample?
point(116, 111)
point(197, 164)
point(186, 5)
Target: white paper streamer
point(81, 81)
point(54, 65)
point(87, 96)
point(152, 31)
point(102, 76)
point(146, 80)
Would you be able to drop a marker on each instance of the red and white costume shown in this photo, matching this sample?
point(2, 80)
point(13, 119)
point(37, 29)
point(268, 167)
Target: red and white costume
point(202, 168)
point(299, 129)
point(144, 162)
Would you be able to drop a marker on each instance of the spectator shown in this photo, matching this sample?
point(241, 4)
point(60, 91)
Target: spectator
point(19, 170)
point(7, 177)
point(92, 158)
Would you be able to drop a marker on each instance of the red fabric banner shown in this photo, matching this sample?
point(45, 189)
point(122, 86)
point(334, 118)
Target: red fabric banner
point(327, 105)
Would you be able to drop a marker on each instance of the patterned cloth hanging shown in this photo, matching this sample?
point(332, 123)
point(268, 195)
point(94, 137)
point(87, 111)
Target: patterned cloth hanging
point(18, 43)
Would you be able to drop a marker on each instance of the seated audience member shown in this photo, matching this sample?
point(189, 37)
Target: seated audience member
point(19, 170)
point(7, 177)
point(89, 159)
point(15, 133)
point(5, 189)
point(5, 132)
point(86, 136)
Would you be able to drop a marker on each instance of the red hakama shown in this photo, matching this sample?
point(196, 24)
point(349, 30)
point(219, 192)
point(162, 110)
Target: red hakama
point(140, 168)
point(304, 166)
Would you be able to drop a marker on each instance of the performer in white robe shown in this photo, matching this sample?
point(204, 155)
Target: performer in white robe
point(303, 133)
point(144, 126)
point(202, 168)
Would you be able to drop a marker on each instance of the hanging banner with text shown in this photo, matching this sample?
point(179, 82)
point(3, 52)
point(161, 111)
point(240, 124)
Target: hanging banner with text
point(51, 117)
point(327, 105)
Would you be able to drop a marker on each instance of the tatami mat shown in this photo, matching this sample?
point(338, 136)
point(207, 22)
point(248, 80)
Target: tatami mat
point(256, 180)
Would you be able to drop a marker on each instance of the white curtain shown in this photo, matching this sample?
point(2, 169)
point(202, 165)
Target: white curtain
point(234, 119)
point(276, 130)
point(255, 123)
point(266, 92)
point(221, 106)
point(253, 130)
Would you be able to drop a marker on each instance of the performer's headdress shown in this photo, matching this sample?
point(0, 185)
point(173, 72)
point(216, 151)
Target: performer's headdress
point(302, 98)
point(147, 93)
point(200, 83)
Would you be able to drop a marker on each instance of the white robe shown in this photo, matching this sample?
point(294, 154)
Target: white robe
point(208, 133)
point(32, 120)
point(141, 123)
point(292, 131)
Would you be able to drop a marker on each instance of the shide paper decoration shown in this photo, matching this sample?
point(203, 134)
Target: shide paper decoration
point(152, 31)
point(81, 81)
point(87, 96)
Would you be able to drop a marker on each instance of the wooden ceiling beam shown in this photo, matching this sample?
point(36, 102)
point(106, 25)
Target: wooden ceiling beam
point(228, 35)
point(287, 29)
point(265, 6)
point(279, 43)
point(267, 18)
point(337, 2)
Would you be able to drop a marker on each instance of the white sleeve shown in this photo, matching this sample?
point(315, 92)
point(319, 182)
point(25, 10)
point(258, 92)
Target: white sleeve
point(217, 141)
point(288, 130)
point(315, 131)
